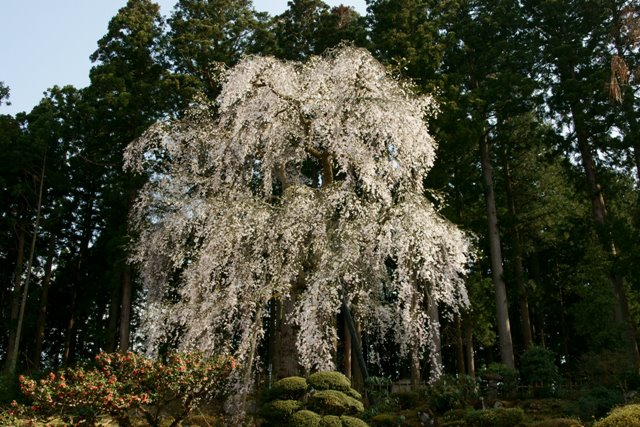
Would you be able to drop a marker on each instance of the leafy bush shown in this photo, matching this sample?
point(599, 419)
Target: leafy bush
point(348, 421)
point(451, 392)
point(331, 421)
point(334, 402)
point(305, 418)
point(538, 368)
point(329, 380)
point(501, 417)
point(288, 388)
point(407, 399)
point(281, 410)
point(499, 378)
point(386, 419)
point(316, 401)
point(9, 388)
point(559, 422)
point(120, 384)
point(595, 403)
point(626, 416)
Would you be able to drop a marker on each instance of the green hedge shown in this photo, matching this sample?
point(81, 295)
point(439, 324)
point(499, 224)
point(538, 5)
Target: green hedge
point(501, 417)
point(626, 416)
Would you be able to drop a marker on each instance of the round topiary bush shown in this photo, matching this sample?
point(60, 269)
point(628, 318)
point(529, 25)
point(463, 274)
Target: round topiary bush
point(290, 388)
point(334, 402)
point(329, 380)
point(501, 417)
point(305, 418)
point(279, 410)
point(625, 416)
point(559, 422)
point(348, 421)
point(331, 421)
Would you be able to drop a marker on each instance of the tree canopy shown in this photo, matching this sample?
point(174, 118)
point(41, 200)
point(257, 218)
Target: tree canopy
point(305, 183)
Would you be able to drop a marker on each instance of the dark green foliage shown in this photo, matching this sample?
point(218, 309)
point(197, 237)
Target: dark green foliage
point(386, 419)
point(288, 388)
point(334, 402)
point(626, 416)
point(330, 421)
point(9, 389)
point(451, 392)
point(280, 410)
point(559, 422)
point(319, 402)
point(348, 421)
point(501, 417)
point(305, 418)
point(329, 381)
point(499, 378)
point(538, 368)
point(407, 399)
point(595, 403)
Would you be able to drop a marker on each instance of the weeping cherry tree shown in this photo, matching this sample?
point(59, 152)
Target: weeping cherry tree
point(302, 185)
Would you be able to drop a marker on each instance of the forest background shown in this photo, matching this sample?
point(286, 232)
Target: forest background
point(538, 158)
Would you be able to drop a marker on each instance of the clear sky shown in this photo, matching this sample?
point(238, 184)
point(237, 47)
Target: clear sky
point(48, 42)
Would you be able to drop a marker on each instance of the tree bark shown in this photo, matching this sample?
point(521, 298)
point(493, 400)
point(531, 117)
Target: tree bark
point(346, 350)
point(15, 295)
point(436, 356)
point(288, 364)
point(523, 299)
point(459, 344)
point(497, 271)
point(468, 341)
point(125, 311)
point(621, 305)
point(12, 353)
point(42, 308)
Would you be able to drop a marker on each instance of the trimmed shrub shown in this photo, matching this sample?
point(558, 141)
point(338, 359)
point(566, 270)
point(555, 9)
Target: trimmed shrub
point(281, 409)
point(305, 418)
point(331, 421)
point(348, 421)
point(559, 422)
point(625, 416)
point(290, 388)
point(329, 381)
point(451, 392)
point(386, 419)
point(501, 417)
point(334, 402)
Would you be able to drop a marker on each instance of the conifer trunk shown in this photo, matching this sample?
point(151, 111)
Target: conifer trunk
point(497, 271)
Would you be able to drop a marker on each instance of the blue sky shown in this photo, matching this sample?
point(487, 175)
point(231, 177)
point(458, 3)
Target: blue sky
point(48, 42)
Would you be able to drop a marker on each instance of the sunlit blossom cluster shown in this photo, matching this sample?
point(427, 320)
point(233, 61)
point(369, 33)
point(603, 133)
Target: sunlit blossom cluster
point(303, 181)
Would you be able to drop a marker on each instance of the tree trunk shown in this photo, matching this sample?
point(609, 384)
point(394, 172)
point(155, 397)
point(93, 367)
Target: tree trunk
point(15, 295)
point(125, 311)
point(459, 344)
point(42, 309)
point(621, 306)
point(346, 350)
point(12, 353)
point(468, 341)
point(435, 358)
point(112, 325)
point(502, 305)
point(523, 299)
point(70, 333)
point(288, 364)
point(355, 342)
